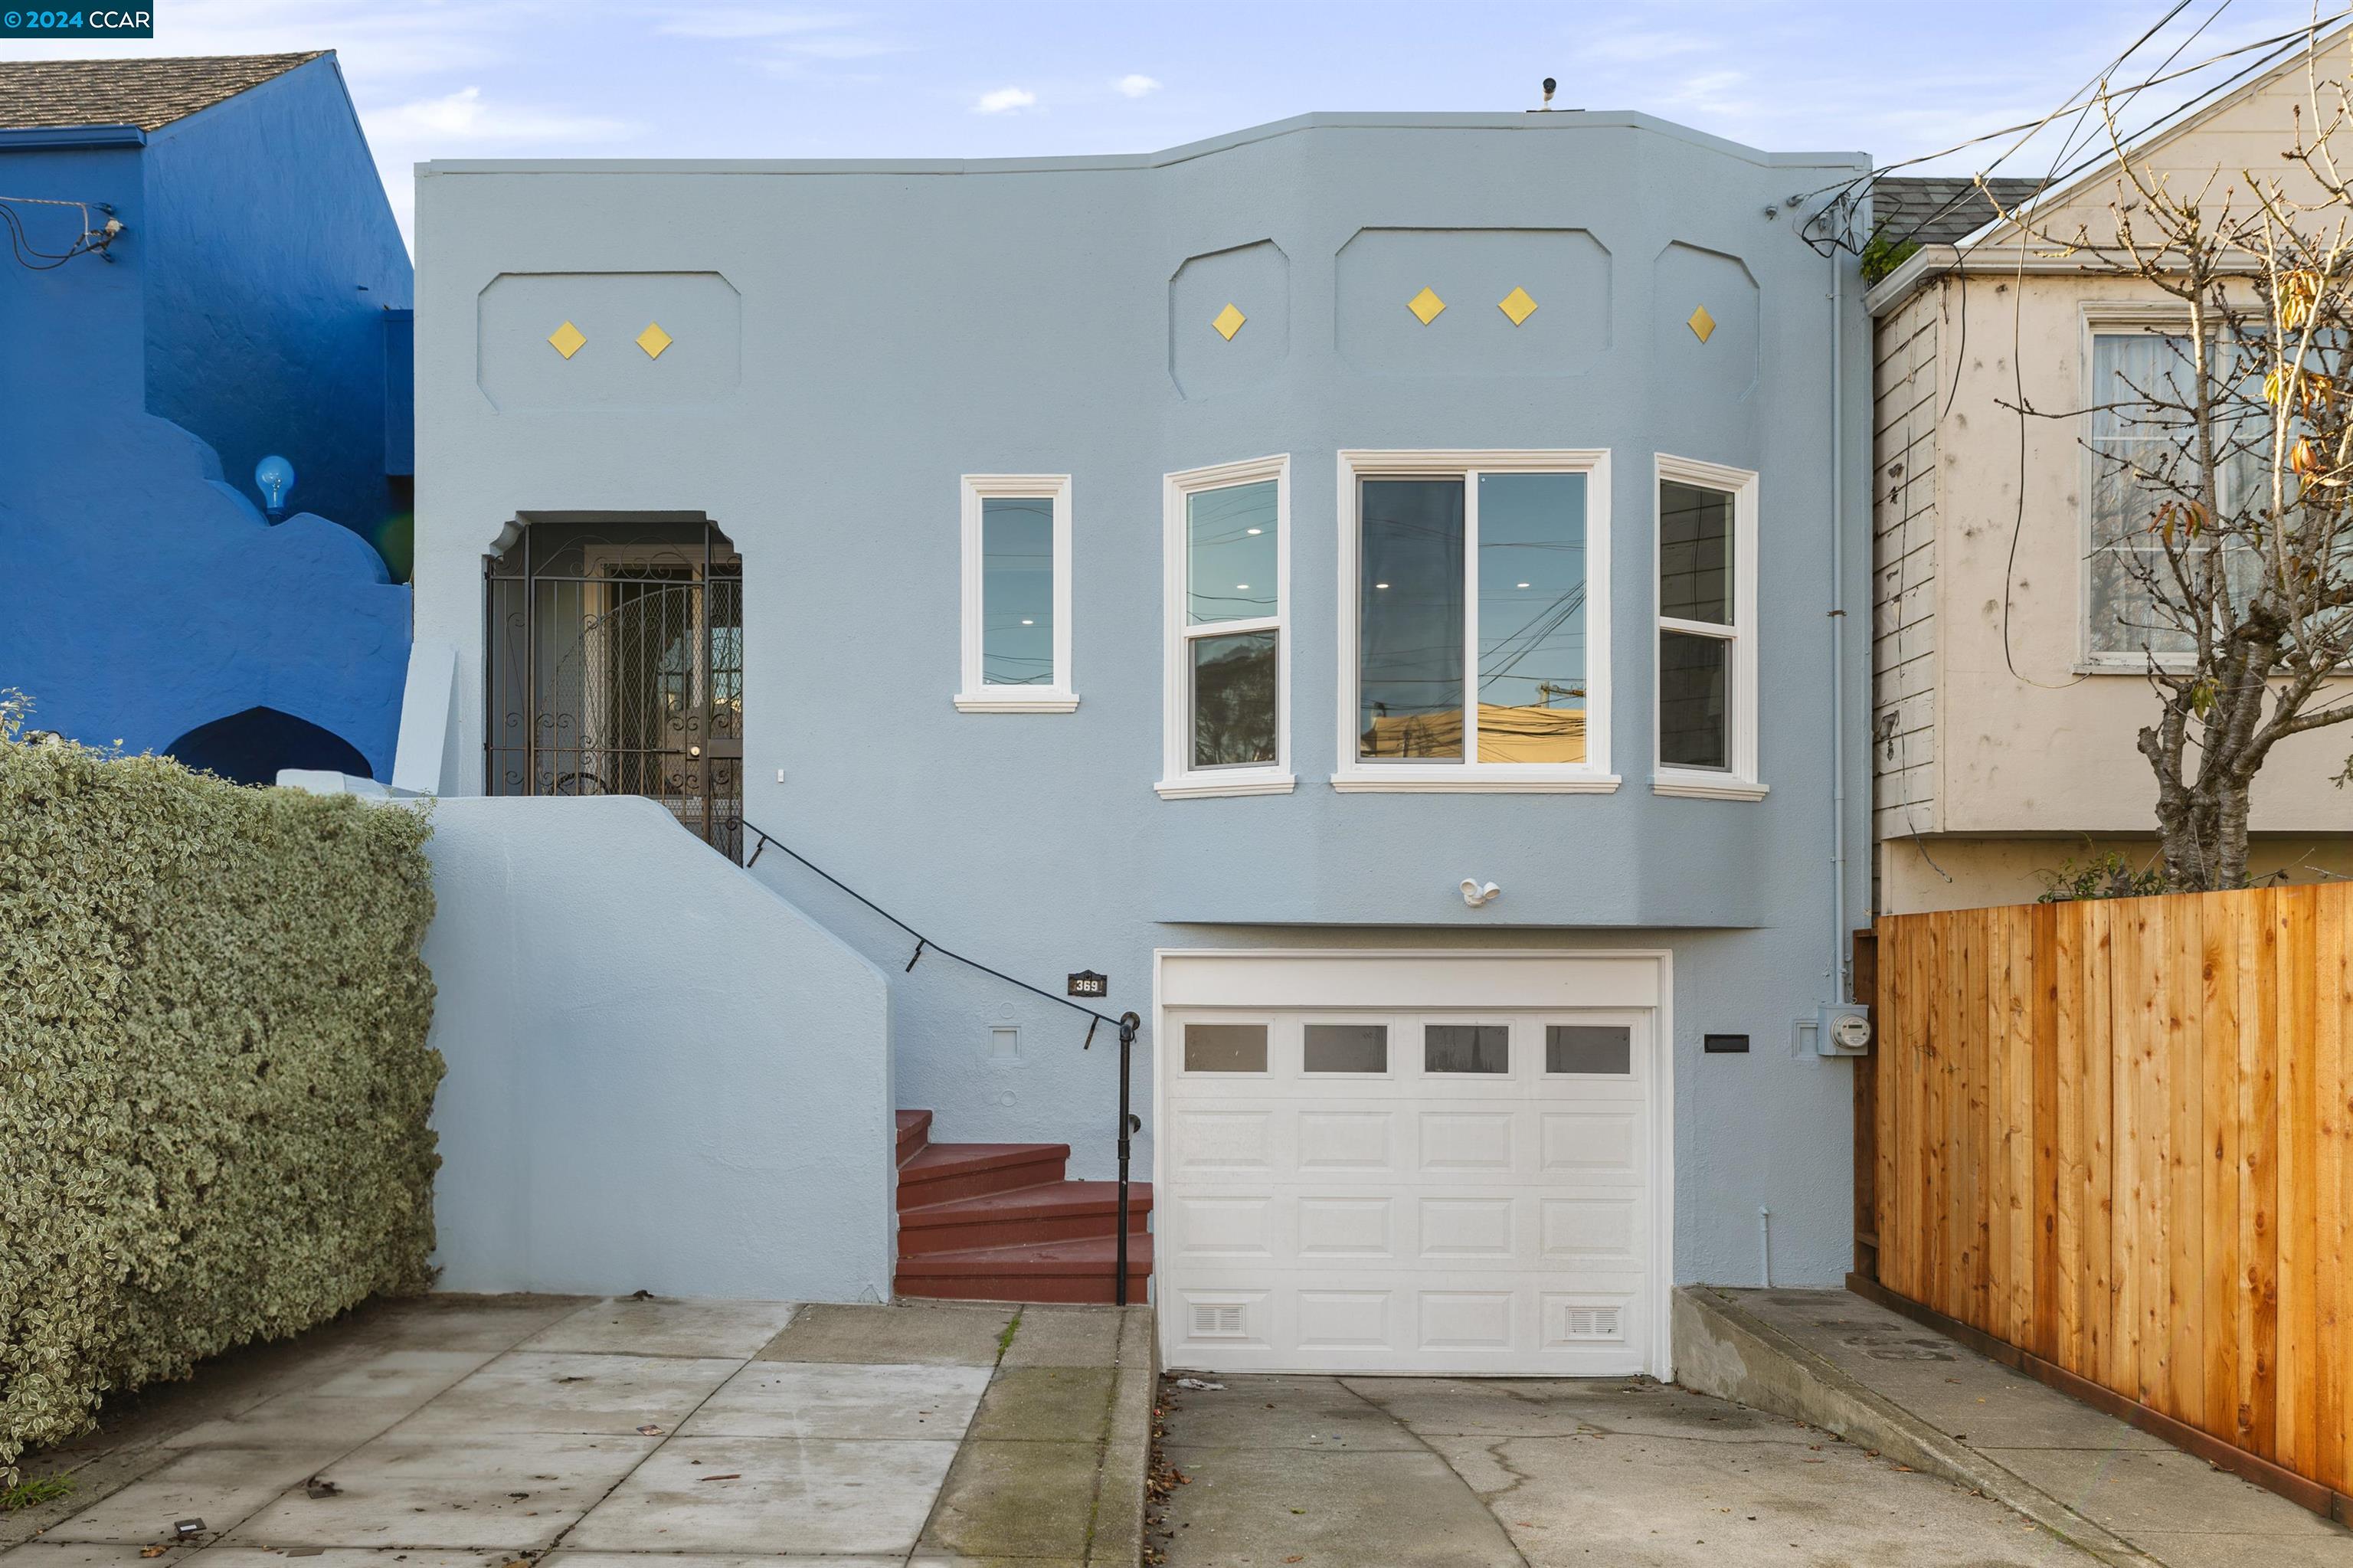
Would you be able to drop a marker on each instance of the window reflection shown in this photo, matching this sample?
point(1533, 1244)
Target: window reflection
point(1409, 630)
point(1532, 617)
point(1588, 1048)
point(1347, 1048)
point(1229, 540)
point(1225, 1047)
point(1016, 591)
point(1466, 1048)
point(1234, 699)
point(1691, 677)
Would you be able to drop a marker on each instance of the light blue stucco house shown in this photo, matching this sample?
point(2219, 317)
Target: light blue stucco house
point(1372, 588)
point(203, 272)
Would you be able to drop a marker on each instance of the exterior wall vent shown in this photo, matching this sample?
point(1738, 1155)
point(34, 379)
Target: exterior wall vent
point(1217, 1320)
point(1589, 1323)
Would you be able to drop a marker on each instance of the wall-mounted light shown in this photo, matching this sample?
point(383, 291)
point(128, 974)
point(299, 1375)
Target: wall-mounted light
point(274, 476)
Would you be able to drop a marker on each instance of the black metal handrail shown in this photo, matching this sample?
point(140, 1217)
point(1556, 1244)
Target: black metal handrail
point(1127, 1022)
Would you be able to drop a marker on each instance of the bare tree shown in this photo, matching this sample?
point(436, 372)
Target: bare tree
point(2223, 448)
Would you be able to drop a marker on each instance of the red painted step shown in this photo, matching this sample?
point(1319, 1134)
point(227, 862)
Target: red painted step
point(998, 1222)
point(943, 1173)
point(1051, 1212)
point(1077, 1271)
point(915, 1131)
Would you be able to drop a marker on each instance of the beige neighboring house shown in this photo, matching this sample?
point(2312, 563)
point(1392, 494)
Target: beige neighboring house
point(1998, 753)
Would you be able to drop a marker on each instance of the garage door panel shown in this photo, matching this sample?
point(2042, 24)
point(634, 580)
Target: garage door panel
point(1465, 1227)
point(1593, 1232)
point(1233, 1140)
point(1229, 1226)
point(1359, 1320)
point(1466, 1141)
point(1332, 1227)
point(1348, 1140)
point(1592, 1142)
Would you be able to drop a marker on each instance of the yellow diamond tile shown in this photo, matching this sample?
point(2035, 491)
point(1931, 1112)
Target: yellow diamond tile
point(1426, 305)
point(1229, 322)
point(566, 340)
point(1702, 325)
point(653, 340)
point(1518, 305)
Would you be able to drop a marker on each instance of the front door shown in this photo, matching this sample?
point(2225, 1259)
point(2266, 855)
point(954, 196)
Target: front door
point(615, 667)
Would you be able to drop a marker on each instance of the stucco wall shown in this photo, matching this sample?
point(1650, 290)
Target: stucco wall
point(904, 325)
point(146, 595)
point(272, 255)
point(2035, 741)
point(660, 1075)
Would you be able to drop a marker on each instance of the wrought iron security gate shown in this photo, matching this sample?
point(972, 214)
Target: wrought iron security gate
point(614, 666)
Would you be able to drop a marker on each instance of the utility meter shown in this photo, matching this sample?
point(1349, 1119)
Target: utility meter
point(1843, 1028)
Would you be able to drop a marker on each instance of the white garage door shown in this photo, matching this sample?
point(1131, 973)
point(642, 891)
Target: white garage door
point(1349, 1185)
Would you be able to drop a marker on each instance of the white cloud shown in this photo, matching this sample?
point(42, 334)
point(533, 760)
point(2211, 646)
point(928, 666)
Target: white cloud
point(463, 116)
point(1006, 99)
point(1136, 85)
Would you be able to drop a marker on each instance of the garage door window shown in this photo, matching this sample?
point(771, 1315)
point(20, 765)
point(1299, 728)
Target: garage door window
point(1347, 1048)
point(1591, 1048)
point(1466, 1048)
point(1225, 1047)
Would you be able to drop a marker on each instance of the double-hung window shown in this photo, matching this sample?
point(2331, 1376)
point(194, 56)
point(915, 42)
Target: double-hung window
point(2143, 421)
point(1474, 627)
point(1017, 593)
point(1706, 719)
point(1227, 532)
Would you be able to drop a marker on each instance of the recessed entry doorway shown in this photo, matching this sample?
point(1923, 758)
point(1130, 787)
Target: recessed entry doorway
point(614, 665)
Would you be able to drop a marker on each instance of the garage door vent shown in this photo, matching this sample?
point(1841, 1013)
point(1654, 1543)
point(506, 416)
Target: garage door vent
point(1217, 1320)
point(1590, 1323)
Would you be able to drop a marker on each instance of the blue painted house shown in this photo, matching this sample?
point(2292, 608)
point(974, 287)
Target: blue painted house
point(1370, 588)
point(204, 271)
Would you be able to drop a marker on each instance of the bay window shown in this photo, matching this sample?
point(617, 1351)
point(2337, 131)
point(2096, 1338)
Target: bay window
point(1475, 654)
point(1227, 531)
point(1706, 577)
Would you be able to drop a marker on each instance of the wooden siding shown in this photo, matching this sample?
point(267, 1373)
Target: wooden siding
point(2116, 1135)
point(1905, 388)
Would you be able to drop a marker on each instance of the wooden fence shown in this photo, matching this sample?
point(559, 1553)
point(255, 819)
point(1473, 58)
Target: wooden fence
point(2114, 1135)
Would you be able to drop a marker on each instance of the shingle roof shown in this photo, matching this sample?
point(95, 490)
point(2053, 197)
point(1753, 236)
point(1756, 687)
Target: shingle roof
point(1934, 209)
point(149, 93)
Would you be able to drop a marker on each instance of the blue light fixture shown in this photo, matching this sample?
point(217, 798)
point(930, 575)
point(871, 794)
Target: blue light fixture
point(275, 476)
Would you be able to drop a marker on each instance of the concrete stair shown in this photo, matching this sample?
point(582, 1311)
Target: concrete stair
point(999, 1222)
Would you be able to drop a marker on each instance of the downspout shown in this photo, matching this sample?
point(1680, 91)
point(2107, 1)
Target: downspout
point(1838, 971)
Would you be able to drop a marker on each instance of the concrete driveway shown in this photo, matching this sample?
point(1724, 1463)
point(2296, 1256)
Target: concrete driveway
point(1327, 1472)
point(473, 1432)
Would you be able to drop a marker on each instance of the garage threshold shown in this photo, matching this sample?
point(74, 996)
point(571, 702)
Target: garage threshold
point(1840, 1361)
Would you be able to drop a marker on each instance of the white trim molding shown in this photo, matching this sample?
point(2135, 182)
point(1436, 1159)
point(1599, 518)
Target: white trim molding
point(1470, 776)
point(1739, 780)
point(1179, 779)
point(1057, 695)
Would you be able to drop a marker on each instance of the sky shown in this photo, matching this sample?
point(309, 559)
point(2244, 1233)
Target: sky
point(1896, 79)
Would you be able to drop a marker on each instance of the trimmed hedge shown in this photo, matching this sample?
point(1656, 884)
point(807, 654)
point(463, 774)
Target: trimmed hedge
point(214, 1080)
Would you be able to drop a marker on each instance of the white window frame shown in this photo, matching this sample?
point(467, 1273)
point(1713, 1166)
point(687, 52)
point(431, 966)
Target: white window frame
point(1740, 782)
point(1179, 779)
point(1590, 777)
point(2098, 319)
point(1058, 696)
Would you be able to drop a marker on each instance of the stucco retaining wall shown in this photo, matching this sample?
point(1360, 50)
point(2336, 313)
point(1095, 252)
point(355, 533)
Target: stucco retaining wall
point(661, 1076)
